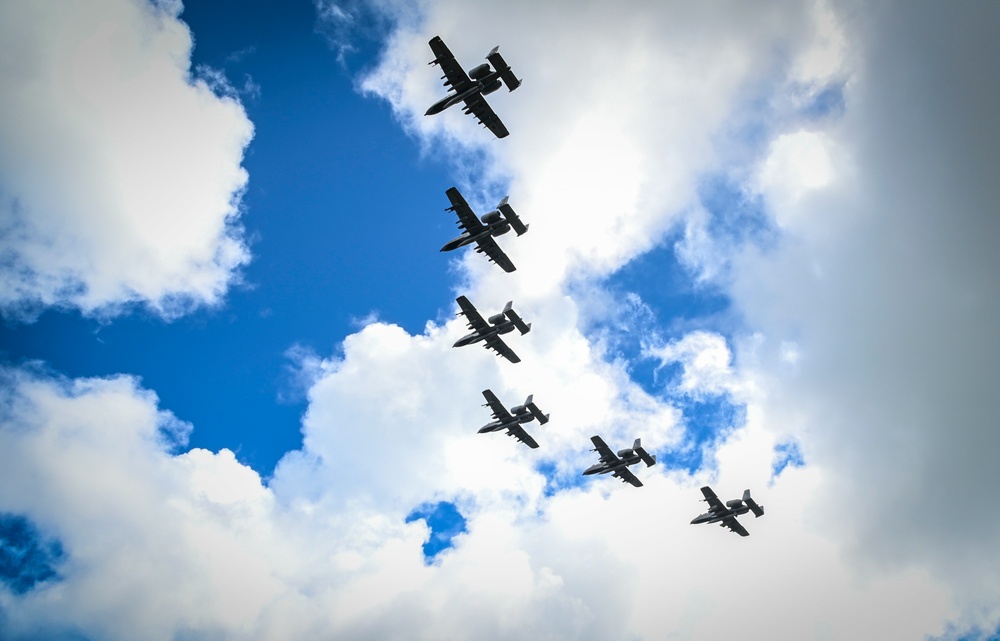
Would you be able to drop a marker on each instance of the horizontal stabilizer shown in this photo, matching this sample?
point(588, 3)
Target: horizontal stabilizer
point(537, 413)
point(758, 510)
point(533, 409)
point(502, 68)
point(647, 458)
point(508, 213)
point(521, 326)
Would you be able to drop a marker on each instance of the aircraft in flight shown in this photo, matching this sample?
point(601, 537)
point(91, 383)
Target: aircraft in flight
point(512, 420)
point(471, 87)
point(618, 464)
point(502, 323)
point(481, 231)
point(727, 513)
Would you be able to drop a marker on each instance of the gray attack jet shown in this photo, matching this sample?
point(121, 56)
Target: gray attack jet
point(725, 515)
point(618, 464)
point(471, 87)
point(502, 323)
point(512, 420)
point(481, 231)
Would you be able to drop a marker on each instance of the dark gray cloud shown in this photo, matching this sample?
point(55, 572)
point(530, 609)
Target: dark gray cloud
point(886, 283)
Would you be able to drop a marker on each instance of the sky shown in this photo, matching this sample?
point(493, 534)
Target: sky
point(762, 239)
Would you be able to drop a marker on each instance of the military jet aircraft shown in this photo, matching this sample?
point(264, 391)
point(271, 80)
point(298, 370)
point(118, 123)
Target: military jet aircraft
point(471, 87)
point(727, 513)
point(512, 420)
point(495, 223)
point(618, 464)
point(502, 323)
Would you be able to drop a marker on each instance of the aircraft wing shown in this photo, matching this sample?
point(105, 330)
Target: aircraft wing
point(496, 343)
point(467, 219)
point(499, 411)
point(735, 526)
point(626, 475)
point(518, 432)
point(607, 456)
point(713, 500)
point(488, 246)
point(477, 106)
point(476, 322)
point(454, 76)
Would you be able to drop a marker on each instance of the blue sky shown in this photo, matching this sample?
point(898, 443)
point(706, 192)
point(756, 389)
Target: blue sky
point(343, 214)
point(231, 409)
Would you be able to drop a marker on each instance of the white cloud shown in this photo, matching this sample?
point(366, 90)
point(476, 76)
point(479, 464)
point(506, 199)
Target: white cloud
point(868, 328)
point(194, 544)
point(705, 360)
point(883, 258)
point(612, 128)
point(120, 175)
point(797, 164)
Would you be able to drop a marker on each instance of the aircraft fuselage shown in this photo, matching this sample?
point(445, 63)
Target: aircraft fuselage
point(504, 327)
point(604, 468)
point(477, 86)
point(715, 517)
point(513, 421)
point(492, 229)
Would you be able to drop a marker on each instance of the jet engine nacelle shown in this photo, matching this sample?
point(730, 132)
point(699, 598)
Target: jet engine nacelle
point(517, 410)
point(496, 319)
point(479, 72)
point(491, 217)
point(734, 503)
point(627, 452)
point(493, 86)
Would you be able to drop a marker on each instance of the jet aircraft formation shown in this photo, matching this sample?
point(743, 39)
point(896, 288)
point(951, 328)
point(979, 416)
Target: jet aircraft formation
point(471, 88)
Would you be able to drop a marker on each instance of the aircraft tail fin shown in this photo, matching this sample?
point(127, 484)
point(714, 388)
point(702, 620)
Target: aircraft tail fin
point(508, 77)
point(508, 213)
point(521, 326)
point(758, 510)
point(647, 458)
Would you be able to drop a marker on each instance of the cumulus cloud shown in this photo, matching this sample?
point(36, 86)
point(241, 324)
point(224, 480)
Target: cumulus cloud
point(194, 544)
point(866, 328)
point(869, 319)
point(120, 176)
point(613, 131)
point(705, 359)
